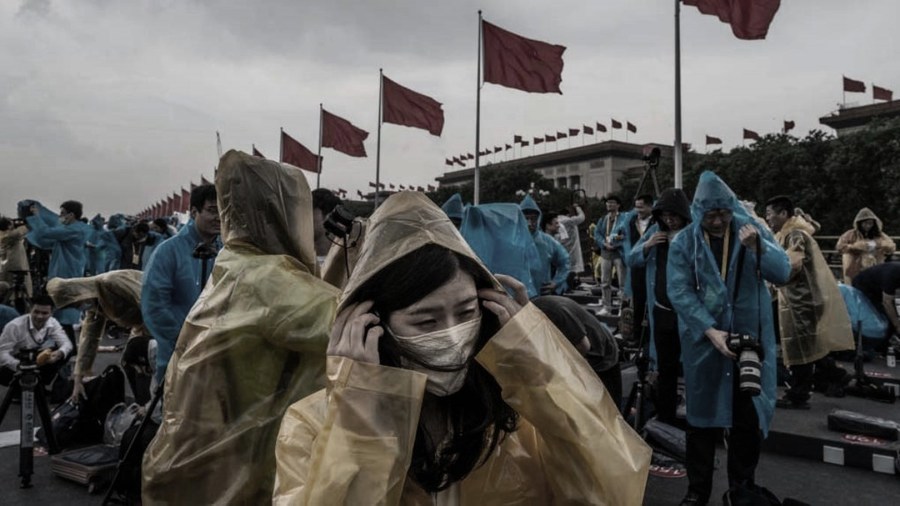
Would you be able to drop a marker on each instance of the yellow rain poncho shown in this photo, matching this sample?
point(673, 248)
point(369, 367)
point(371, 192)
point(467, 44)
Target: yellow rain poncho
point(812, 316)
point(118, 298)
point(352, 443)
point(253, 344)
point(858, 252)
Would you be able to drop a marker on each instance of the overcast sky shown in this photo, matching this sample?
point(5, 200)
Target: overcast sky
point(116, 103)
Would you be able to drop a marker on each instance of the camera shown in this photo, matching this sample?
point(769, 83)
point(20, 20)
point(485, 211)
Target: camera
point(204, 251)
point(651, 156)
point(28, 358)
point(339, 222)
point(748, 349)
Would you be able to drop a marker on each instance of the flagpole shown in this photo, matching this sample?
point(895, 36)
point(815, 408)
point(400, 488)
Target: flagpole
point(475, 199)
point(281, 146)
point(676, 149)
point(319, 156)
point(378, 148)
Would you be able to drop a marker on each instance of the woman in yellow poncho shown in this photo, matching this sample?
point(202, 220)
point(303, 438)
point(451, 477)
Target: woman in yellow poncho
point(444, 390)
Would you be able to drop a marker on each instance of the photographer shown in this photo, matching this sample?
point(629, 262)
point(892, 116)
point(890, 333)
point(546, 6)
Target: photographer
point(34, 330)
point(609, 247)
point(714, 289)
point(173, 277)
point(13, 257)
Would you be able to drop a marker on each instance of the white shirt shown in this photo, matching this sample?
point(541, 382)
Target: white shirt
point(20, 333)
point(642, 224)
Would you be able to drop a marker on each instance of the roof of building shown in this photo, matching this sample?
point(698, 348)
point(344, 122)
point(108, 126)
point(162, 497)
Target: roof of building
point(857, 116)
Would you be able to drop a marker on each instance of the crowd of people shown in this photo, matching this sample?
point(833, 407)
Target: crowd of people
point(430, 354)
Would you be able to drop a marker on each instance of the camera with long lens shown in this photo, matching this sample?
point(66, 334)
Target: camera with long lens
point(748, 349)
point(28, 358)
point(339, 222)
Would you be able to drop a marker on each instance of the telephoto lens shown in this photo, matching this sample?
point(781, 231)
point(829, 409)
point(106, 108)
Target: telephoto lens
point(750, 372)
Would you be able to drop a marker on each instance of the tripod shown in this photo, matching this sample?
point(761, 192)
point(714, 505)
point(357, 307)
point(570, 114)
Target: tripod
point(19, 295)
point(639, 389)
point(28, 382)
point(649, 170)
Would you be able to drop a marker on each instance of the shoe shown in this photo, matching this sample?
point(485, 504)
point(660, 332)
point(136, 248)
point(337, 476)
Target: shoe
point(785, 403)
point(693, 499)
point(604, 311)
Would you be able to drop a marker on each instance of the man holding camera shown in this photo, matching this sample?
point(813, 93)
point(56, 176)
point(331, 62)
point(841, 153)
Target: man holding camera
point(715, 270)
point(37, 329)
point(609, 247)
point(812, 318)
point(176, 273)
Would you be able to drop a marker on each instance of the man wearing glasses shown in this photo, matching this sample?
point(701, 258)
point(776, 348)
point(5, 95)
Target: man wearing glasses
point(176, 272)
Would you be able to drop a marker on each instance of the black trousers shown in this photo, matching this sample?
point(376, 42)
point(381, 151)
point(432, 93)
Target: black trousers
point(668, 363)
point(801, 382)
point(743, 441)
point(612, 380)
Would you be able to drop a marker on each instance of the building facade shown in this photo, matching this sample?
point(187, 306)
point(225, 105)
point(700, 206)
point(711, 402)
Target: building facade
point(847, 120)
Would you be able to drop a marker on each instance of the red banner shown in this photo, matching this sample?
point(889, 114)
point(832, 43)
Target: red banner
point(185, 200)
point(615, 124)
point(712, 140)
point(516, 62)
point(256, 153)
point(602, 128)
point(749, 19)
point(788, 126)
point(854, 86)
point(631, 128)
point(587, 130)
point(402, 106)
point(750, 134)
point(343, 136)
point(574, 131)
point(296, 154)
point(879, 93)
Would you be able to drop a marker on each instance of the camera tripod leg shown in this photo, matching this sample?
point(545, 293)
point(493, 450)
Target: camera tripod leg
point(7, 400)
point(43, 408)
point(26, 437)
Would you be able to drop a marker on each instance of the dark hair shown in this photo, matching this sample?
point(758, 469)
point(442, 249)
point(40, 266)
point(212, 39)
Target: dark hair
point(477, 415)
point(614, 198)
point(42, 300)
point(781, 203)
point(547, 218)
point(645, 198)
point(161, 223)
point(201, 195)
point(142, 228)
point(324, 200)
point(5, 223)
point(74, 207)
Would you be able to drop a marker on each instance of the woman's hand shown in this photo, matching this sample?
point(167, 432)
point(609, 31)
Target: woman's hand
point(78, 392)
point(356, 333)
point(501, 304)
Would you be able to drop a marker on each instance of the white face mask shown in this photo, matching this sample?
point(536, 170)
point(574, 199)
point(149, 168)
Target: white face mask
point(444, 348)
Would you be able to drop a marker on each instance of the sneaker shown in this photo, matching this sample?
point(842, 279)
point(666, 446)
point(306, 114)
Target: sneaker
point(693, 499)
point(785, 403)
point(604, 311)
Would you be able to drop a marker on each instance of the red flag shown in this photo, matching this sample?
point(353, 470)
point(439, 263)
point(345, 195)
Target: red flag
point(170, 206)
point(296, 154)
point(402, 187)
point(341, 135)
point(587, 130)
point(460, 162)
point(497, 149)
point(403, 106)
point(713, 140)
point(750, 134)
point(185, 200)
point(788, 126)
point(602, 128)
point(203, 180)
point(538, 140)
point(470, 156)
point(749, 20)
point(193, 186)
point(549, 138)
point(516, 62)
point(431, 188)
point(854, 86)
point(508, 147)
point(631, 128)
point(448, 161)
point(255, 153)
point(359, 193)
point(574, 131)
point(879, 93)
point(525, 143)
point(419, 189)
point(392, 187)
point(341, 190)
point(517, 138)
point(615, 124)
point(560, 135)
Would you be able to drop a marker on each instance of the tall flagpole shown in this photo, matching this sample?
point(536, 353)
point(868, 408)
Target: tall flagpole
point(378, 144)
point(319, 157)
point(475, 199)
point(281, 146)
point(676, 149)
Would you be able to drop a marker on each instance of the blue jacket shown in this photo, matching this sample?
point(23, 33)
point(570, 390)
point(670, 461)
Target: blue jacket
point(635, 258)
point(170, 288)
point(553, 260)
point(68, 253)
point(454, 207)
point(702, 300)
point(499, 236)
point(7, 314)
point(623, 228)
point(600, 231)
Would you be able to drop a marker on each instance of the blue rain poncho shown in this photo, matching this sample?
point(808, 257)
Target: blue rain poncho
point(454, 207)
point(498, 233)
point(863, 317)
point(171, 286)
point(68, 251)
point(702, 301)
point(106, 247)
point(621, 229)
point(553, 259)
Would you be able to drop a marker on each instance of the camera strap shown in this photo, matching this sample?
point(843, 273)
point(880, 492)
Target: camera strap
point(742, 252)
point(737, 286)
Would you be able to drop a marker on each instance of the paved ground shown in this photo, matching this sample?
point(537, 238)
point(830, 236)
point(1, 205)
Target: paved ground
point(813, 482)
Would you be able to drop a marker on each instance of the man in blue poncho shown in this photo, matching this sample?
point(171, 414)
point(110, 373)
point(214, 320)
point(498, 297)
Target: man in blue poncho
point(714, 288)
point(66, 237)
point(551, 269)
point(173, 277)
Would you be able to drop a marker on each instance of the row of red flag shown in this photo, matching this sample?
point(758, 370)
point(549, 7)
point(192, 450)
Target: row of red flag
point(750, 134)
point(178, 202)
point(878, 93)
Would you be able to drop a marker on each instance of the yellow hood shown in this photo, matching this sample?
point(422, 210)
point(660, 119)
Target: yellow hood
point(867, 214)
point(118, 294)
point(795, 223)
point(405, 222)
point(261, 203)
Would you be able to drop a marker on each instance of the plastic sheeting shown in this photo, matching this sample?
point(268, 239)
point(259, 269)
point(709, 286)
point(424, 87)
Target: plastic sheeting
point(863, 316)
point(253, 344)
point(498, 233)
point(810, 315)
point(118, 298)
point(353, 443)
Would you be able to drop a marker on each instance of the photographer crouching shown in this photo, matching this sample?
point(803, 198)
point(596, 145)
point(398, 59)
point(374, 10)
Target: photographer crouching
point(37, 329)
point(715, 271)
